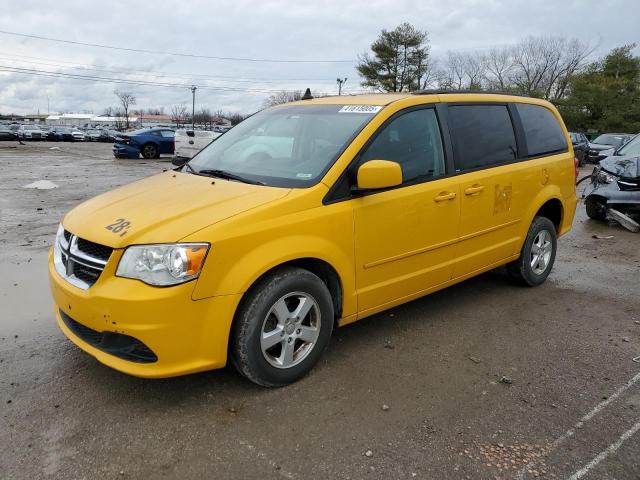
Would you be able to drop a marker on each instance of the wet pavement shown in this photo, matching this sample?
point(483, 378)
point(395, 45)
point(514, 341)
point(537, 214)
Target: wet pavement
point(482, 380)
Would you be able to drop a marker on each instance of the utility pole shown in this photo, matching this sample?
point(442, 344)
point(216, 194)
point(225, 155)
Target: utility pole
point(193, 107)
point(341, 82)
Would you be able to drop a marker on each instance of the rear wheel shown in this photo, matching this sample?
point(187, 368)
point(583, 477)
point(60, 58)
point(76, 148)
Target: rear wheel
point(282, 327)
point(149, 151)
point(537, 255)
point(596, 208)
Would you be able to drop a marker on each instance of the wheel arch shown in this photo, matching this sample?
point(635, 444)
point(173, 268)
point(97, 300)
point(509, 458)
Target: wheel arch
point(553, 210)
point(321, 268)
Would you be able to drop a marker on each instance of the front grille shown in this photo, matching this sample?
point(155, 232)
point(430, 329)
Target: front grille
point(94, 249)
point(117, 344)
point(630, 185)
point(80, 261)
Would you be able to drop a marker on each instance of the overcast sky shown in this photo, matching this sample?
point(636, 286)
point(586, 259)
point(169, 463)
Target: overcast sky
point(283, 30)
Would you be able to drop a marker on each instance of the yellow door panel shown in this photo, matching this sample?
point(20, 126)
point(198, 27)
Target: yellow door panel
point(405, 240)
point(488, 219)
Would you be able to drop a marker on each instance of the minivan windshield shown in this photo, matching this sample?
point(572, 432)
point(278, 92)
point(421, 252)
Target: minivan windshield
point(631, 148)
point(288, 146)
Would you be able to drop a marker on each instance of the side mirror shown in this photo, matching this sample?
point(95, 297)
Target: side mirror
point(377, 174)
point(179, 161)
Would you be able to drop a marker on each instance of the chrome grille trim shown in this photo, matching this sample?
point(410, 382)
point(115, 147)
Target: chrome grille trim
point(66, 255)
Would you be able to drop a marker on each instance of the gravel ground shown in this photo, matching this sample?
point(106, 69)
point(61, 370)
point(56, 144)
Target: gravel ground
point(483, 380)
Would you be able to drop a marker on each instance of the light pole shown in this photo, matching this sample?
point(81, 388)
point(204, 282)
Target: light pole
point(193, 107)
point(341, 82)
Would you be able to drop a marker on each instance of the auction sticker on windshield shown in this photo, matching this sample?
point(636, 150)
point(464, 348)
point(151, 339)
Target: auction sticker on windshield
point(360, 109)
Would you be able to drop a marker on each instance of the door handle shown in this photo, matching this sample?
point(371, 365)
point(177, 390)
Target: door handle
point(444, 196)
point(474, 189)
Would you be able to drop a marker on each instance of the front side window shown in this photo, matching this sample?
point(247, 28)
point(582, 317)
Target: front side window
point(541, 130)
point(482, 136)
point(289, 146)
point(167, 133)
point(413, 140)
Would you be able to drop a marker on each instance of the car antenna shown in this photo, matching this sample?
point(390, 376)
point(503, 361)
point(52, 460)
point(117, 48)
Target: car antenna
point(307, 95)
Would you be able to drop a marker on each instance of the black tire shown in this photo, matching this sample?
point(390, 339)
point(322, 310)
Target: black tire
point(256, 310)
point(596, 208)
point(149, 151)
point(522, 269)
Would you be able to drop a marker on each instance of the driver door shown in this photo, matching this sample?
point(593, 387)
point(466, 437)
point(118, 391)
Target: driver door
point(405, 236)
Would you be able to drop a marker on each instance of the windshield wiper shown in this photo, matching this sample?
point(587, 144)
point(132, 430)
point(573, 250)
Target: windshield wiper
point(227, 175)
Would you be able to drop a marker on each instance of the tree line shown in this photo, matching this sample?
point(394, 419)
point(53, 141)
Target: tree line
point(602, 95)
point(180, 114)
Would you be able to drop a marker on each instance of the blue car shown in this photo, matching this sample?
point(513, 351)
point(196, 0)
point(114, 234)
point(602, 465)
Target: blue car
point(148, 142)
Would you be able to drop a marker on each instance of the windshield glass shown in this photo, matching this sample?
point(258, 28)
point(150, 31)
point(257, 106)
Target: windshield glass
point(291, 146)
point(608, 139)
point(631, 148)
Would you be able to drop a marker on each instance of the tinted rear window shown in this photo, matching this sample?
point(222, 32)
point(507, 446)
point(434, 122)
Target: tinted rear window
point(483, 135)
point(541, 129)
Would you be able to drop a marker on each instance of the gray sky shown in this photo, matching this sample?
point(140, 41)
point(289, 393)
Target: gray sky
point(289, 30)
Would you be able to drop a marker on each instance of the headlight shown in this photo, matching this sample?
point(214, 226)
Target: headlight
point(163, 264)
point(604, 177)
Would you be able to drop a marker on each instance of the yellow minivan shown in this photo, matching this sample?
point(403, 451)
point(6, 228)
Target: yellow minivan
point(308, 216)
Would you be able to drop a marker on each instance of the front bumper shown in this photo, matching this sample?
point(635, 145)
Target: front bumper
point(187, 336)
point(624, 200)
point(126, 151)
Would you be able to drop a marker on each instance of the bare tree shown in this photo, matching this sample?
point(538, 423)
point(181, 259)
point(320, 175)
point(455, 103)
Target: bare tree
point(204, 117)
point(499, 64)
point(474, 65)
point(179, 114)
point(283, 96)
point(543, 65)
point(119, 116)
point(127, 99)
point(452, 75)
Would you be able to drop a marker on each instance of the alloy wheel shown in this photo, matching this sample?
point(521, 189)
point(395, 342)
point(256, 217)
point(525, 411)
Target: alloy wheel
point(290, 330)
point(541, 250)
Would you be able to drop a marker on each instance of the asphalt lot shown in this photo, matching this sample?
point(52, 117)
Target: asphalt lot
point(482, 380)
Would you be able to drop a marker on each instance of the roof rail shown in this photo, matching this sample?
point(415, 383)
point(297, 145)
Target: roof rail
point(437, 91)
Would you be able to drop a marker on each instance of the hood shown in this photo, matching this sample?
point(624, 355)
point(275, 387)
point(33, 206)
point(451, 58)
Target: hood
point(164, 208)
point(607, 152)
point(599, 146)
point(623, 167)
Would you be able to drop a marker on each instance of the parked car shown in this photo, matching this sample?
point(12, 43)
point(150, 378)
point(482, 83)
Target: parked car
point(109, 135)
point(30, 132)
point(308, 216)
point(7, 134)
point(59, 134)
point(92, 135)
point(148, 142)
point(190, 142)
point(580, 146)
point(615, 183)
point(606, 141)
point(77, 134)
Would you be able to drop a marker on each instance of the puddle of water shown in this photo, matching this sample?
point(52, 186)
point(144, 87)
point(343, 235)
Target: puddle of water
point(25, 299)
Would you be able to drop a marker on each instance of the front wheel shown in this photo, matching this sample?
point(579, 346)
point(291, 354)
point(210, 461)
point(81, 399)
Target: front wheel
point(282, 327)
point(537, 255)
point(596, 208)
